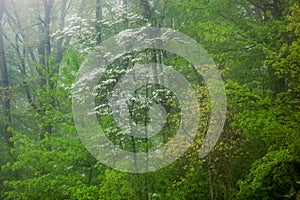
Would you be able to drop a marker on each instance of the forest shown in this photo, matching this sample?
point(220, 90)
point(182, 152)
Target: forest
point(47, 151)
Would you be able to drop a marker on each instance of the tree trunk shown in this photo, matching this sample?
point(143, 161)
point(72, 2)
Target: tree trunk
point(45, 52)
point(63, 41)
point(4, 83)
point(98, 21)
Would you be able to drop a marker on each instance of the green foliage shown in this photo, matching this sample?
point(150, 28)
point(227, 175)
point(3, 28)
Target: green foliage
point(255, 45)
point(117, 186)
point(274, 176)
point(57, 165)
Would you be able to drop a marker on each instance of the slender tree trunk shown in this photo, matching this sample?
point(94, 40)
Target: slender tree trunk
point(64, 41)
point(45, 51)
point(98, 21)
point(4, 82)
point(277, 12)
point(147, 10)
point(21, 50)
point(210, 178)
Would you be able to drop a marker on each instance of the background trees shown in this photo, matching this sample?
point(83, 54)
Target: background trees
point(6, 134)
point(256, 46)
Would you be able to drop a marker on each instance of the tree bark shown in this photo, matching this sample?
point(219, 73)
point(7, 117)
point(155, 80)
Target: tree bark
point(4, 82)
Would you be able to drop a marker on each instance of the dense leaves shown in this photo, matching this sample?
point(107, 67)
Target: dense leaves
point(256, 46)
